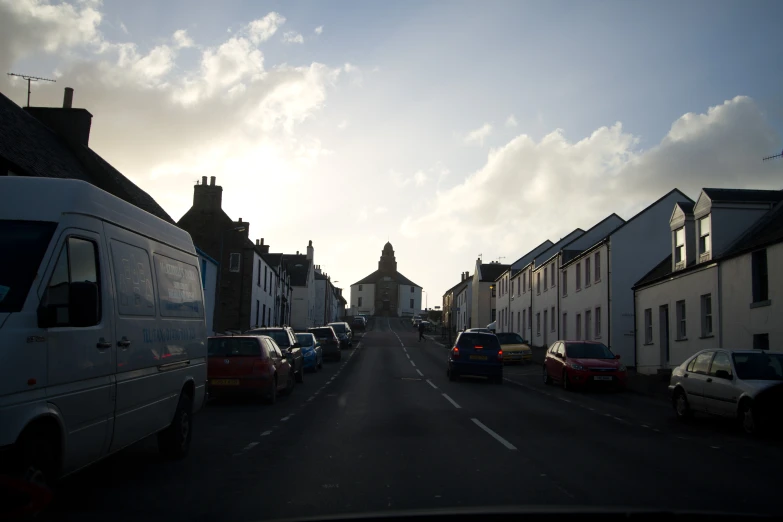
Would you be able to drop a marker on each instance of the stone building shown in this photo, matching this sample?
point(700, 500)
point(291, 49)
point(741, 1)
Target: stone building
point(386, 292)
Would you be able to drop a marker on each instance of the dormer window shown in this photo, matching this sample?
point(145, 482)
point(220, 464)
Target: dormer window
point(679, 246)
point(704, 236)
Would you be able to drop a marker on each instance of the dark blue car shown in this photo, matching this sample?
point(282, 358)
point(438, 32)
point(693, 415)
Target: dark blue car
point(476, 353)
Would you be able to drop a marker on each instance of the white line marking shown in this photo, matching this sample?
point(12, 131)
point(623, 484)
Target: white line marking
point(267, 432)
point(250, 446)
point(408, 356)
point(404, 349)
point(564, 400)
point(413, 363)
point(645, 426)
point(431, 384)
point(419, 372)
point(494, 435)
point(286, 417)
point(452, 401)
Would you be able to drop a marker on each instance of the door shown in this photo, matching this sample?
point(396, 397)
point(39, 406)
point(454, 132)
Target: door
point(281, 364)
point(695, 378)
point(720, 394)
point(553, 364)
point(81, 358)
point(663, 336)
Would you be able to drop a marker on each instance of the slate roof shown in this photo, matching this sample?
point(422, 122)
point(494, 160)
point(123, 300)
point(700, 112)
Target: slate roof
point(686, 207)
point(378, 274)
point(660, 271)
point(30, 148)
point(742, 195)
point(320, 276)
point(454, 288)
point(491, 271)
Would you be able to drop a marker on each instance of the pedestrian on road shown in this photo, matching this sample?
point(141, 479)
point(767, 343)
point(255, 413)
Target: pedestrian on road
point(421, 331)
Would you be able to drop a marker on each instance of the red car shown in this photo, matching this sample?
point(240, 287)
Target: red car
point(576, 364)
point(247, 364)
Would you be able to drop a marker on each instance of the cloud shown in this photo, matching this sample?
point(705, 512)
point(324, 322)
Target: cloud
point(182, 40)
point(511, 121)
point(420, 178)
point(319, 29)
point(528, 190)
point(265, 28)
point(342, 125)
point(124, 29)
point(477, 136)
point(292, 37)
point(381, 210)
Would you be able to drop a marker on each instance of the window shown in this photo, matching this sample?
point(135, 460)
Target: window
point(133, 279)
point(552, 317)
point(721, 362)
point(578, 327)
point(518, 325)
point(545, 318)
point(565, 283)
point(411, 303)
point(76, 264)
point(269, 316)
point(681, 327)
point(263, 314)
point(519, 287)
point(587, 271)
point(493, 315)
point(588, 320)
point(538, 324)
point(679, 245)
point(492, 287)
point(360, 288)
point(648, 326)
point(598, 322)
point(524, 282)
point(760, 276)
point(179, 294)
point(538, 283)
point(524, 324)
point(702, 362)
point(704, 235)
point(270, 282)
point(691, 365)
point(413, 289)
point(565, 326)
point(258, 278)
point(512, 289)
point(578, 276)
point(233, 262)
point(597, 267)
point(706, 315)
point(360, 301)
point(545, 277)
point(258, 310)
point(761, 341)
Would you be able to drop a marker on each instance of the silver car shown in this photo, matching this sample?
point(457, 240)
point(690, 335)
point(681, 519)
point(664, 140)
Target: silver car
point(725, 383)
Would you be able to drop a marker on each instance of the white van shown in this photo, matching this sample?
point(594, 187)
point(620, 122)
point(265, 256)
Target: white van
point(102, 329)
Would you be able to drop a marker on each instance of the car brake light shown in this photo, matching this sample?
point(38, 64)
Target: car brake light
point(478, 347)
point(455, 353)
point(500, 355)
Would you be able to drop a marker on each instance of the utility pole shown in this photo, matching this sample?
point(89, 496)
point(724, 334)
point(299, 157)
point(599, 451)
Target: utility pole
point(30, 79)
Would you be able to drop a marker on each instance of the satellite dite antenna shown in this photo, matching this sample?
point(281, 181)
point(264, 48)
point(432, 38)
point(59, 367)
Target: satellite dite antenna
point(30, 79)
point(773, 157)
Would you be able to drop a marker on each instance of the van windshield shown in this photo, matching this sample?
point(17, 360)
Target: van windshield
point(23, 244)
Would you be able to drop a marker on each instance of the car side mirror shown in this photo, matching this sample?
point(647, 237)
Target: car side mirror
point(296, 345)
point(616, 356)
point(723, 374)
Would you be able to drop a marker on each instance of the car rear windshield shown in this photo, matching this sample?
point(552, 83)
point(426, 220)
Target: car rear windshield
point(510, 338)
point(588, 351)
point(304, 339)
point(468, 341)
point(280, 336)
point(23, 244)
point(339, 328)
point(233, 346)
point(323, 333)
point(759, 366)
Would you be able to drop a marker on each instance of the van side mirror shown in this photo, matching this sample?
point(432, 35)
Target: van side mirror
point(83, 304)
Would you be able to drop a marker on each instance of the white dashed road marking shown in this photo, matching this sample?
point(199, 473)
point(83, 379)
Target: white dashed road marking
point(419, 372)
point(267, 432)
point(431, 384)
point(452, 401)
point(250, 446)
point(494, 435)
point(413, 363)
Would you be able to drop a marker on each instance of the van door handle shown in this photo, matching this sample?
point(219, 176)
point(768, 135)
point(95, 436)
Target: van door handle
point(103, 344)
point(123, 343)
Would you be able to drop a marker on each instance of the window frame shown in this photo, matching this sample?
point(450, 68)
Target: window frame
point(597, 267)
point(538, 324)
point(706, 315)
point(234, 256)
point(597, 321)
point(578, 276)
point(682, 320)
point(679, 248)
point(587, 271)
point(648, 326)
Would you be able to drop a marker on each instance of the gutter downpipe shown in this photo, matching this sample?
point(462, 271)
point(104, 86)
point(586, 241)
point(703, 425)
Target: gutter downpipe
point(720, 307)
point(609, 296)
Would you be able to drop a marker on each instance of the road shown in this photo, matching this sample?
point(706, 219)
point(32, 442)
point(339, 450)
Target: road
point(386, 430)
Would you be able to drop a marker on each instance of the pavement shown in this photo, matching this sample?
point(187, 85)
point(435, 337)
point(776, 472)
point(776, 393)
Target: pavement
point(385, 430)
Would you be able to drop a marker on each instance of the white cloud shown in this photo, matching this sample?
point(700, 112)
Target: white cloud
point(124, 29)
point(182, 40)
point(477, 136)
point(264, 28)
point(511, 121)
point(319, 29)
point(342, 125)
point(420, 178)
point(381, 210)
point(603, 173)
point(292, 37)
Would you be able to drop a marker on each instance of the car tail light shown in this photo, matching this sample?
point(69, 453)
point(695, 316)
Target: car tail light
point(478, 347)
point(455, 353)
point(500, 355)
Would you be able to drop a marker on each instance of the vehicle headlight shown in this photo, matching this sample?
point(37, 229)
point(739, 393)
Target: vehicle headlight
point(623, 368)
point(577, 366)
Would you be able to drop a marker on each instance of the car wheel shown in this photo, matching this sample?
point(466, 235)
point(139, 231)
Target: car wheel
point(271, 396)
point(174, 441)
point(300, 374)
point(681, 407)
point(547, 378)
point(566, 384)
point(748, 420)
point(38, 457)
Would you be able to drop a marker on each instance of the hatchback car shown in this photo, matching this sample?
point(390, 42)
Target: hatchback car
point(344, 333)
point(285, 338)
point(728, 383)
point(251, 364)
point(330, 343)
point(311, 350)
point(576, 364)
point(358, 323)
point(515, 349)
point(476, 353)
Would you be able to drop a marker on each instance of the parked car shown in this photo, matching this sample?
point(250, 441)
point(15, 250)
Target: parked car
point(358, 323)
point(515, 349)
point(285, 338)
point(344, 333)
point(311, 350)
point(576, 364)
point(97, 352)
point(728, 383)
point(250, 365)
point(476, 353)
point(480, 330)
point(330, 343)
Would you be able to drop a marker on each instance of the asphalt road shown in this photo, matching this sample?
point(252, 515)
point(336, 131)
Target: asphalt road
point(386, 430)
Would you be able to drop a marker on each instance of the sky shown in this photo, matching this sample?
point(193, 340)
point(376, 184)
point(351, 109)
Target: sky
point(451, 129)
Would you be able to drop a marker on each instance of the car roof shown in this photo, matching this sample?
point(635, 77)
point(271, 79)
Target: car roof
point(235, 336)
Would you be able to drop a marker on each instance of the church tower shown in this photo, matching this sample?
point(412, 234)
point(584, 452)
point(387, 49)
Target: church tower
point(388, 262)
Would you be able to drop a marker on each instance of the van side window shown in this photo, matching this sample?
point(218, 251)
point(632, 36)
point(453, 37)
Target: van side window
point(179, 288)
point(77, 263)
point(133, 278)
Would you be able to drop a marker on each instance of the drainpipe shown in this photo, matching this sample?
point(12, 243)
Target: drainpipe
point(634, 327)
point(609, 294)
point(720, 309)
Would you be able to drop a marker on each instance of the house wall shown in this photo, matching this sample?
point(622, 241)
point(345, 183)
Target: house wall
point(261, 296)
point(300, 308)
point(688, 287)
point(520, 300)
point(588, 298)
point(741, 321)
point(404, 303)
point(367, 293)
point(463, 315)
point(319, 307)
point(209, 271)
point(481, 302)
point(502, 302)
point(544, 300)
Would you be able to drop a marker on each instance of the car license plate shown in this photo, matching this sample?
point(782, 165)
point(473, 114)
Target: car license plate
point(602, 378)
point(224, 382)
point(478, 357)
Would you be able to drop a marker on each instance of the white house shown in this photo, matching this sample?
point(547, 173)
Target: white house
point(386, 291)
point(720, 286)
point(464, 298)
point(327, 299)
point(520, 297)
point(209, 271)
point(301, 269)
point(262, 291)
point(484, 292)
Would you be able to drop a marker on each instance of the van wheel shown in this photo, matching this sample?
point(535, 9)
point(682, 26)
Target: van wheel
point(39, 459)
point(174, 441)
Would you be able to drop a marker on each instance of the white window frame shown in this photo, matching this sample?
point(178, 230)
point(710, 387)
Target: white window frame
point(682, 317)
point(597, 328)
point(706, 316)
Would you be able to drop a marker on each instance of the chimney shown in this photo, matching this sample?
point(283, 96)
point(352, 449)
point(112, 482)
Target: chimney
point(240, 220)
point(207, 198)
point(264, 248)
point(310, 250)
point(72, 125)
point(211, 181)
point(258, 243)
point(462, 278)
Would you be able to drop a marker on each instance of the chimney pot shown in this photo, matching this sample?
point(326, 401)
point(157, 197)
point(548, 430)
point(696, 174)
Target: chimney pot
point(240, 220)
point(211, 181)
point(203, 180)
point(262, 240)
point(257, 243)
point(310, 243)
point(68, 98)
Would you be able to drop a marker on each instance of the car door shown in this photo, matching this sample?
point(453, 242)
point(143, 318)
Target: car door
point(549, 359)
point(80, 357)
point(281, 364)
point(720, 393)
point(693, 380)
point(557, 361)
